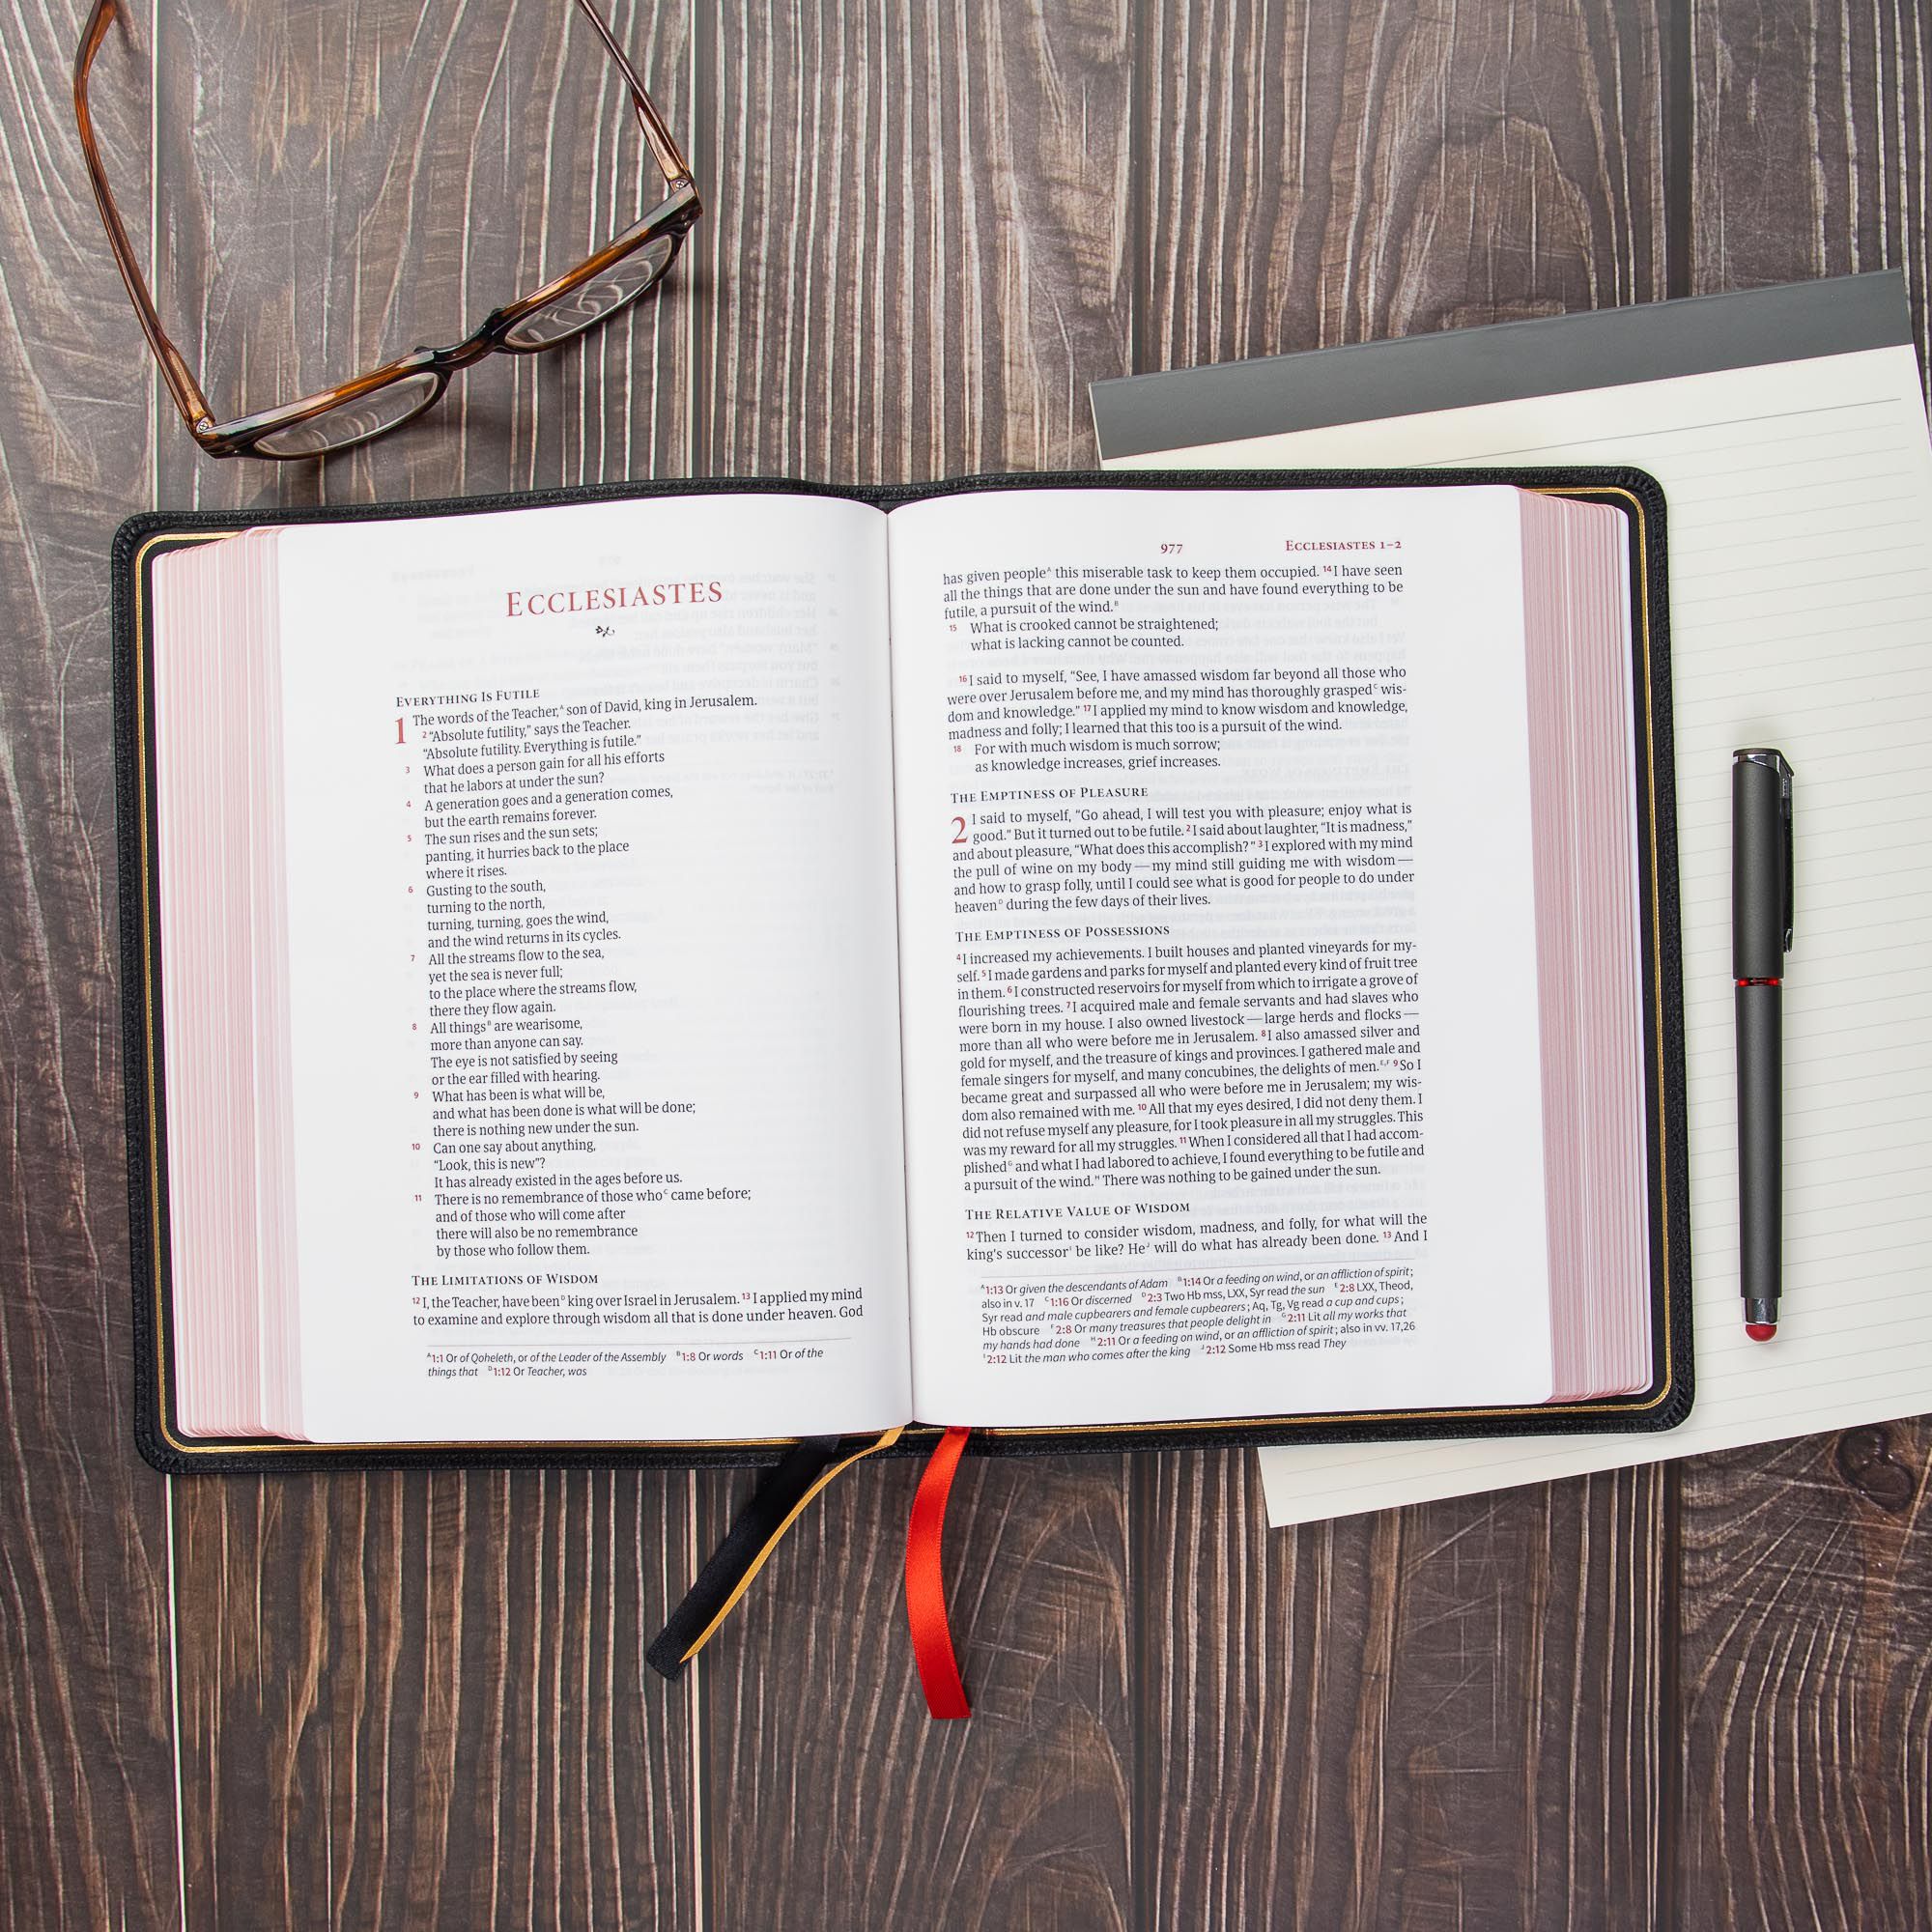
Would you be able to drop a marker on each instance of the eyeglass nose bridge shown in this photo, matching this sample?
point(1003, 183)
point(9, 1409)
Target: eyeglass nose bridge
point(463, 354)
point(484, 340)
point(481, 342)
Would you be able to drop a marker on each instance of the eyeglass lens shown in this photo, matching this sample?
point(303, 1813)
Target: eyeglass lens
point(623, 281)
point(354, 421)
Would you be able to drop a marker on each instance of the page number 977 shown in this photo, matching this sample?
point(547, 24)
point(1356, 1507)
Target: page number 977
point(1170, 550)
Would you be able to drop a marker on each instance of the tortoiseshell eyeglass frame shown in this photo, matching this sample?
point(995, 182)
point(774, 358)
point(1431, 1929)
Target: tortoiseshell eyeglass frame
point(521, 327)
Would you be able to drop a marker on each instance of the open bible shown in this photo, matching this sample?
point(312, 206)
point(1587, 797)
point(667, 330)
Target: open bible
point(719, 964)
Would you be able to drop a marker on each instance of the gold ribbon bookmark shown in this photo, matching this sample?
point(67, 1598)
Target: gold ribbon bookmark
point(776, 1504)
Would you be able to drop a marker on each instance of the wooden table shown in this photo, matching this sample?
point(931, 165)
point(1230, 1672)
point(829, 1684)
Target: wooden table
point(1691, 1695)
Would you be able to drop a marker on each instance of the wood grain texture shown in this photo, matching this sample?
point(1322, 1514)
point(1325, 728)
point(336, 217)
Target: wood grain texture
point(1807, 1566)
point(1806, 1662)
point(919, 258)
point(416, 1702)
point(836, 1802)
point(1334, 173)
point(87, 1824)
point(1444, 1717)
point(1814, 142)
point(413, 1701)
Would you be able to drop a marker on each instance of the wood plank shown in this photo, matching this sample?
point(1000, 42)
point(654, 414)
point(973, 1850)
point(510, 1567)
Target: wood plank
point(1339, 173)
point(1806, 1564)
point(917, 258)
point(86, 1743)
point(1813, 143)
point(1429, 1718)
point(1807, 1679)
point(837, 1802)
point(413, 1700)
point(917, 266)
point(1445, 1716)
point(416, 1700)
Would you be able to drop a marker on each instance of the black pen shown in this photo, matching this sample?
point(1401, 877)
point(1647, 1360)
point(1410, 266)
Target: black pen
point(1761, 892)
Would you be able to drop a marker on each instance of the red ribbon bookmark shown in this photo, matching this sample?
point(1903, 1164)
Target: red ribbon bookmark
point(925, 1583)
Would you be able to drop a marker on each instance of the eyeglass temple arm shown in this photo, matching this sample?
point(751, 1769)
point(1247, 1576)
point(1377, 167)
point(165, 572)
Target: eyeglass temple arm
point(669, 157)
point(180, 379)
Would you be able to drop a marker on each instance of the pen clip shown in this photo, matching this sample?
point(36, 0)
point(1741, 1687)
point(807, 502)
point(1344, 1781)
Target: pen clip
point(1769, 760)
point(1784, 777)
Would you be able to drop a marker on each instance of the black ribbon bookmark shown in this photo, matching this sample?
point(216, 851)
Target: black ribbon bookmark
point(776, 1504)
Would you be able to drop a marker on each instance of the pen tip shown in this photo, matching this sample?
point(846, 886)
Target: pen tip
point(1760, 1331)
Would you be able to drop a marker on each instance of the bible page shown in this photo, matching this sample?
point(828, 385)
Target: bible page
point(1217, 954)
point(591, 930)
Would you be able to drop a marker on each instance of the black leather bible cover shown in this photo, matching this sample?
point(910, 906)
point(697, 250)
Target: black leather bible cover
point(1661, 1405)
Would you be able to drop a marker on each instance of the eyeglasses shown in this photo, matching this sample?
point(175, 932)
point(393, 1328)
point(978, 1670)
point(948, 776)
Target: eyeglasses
point(353, 412)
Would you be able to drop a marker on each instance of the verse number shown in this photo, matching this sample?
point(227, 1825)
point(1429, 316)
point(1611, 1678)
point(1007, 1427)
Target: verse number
point(1170, 550)
point(958, 832)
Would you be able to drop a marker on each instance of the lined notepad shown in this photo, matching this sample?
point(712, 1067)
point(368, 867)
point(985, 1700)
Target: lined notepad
point(1800, 567)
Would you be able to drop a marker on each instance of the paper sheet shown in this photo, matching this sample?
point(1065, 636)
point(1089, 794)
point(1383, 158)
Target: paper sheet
point(1801, 543)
